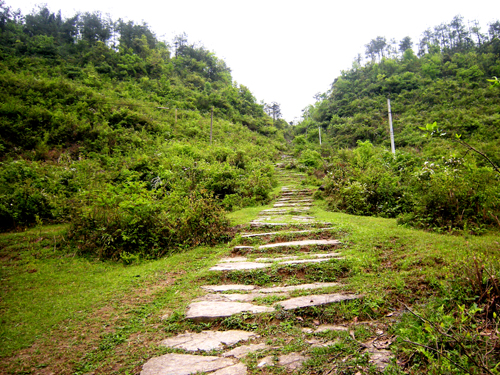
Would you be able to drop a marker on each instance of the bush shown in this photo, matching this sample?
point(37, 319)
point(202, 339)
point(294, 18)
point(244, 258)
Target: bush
point(121, 221)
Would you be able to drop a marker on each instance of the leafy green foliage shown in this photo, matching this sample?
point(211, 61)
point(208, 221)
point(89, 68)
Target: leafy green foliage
point(445, 194)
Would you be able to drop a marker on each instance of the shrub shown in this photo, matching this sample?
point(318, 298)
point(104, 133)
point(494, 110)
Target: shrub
point(120, 221)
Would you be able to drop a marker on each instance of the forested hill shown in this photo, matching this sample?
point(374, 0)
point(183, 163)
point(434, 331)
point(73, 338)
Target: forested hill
point(63, 77)
point(105, 127)
point(445, 80)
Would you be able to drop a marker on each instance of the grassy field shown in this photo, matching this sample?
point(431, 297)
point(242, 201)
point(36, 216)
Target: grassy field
point(64, 314)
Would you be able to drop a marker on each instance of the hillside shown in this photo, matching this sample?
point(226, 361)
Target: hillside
point(102, 125)
point(446, 82)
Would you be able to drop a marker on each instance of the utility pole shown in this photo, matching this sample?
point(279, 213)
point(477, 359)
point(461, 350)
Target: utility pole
point(393, 148)
point(211, 123)
point(319, 130)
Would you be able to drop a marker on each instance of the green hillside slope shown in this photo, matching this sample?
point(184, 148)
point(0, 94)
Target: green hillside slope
point(101, 126)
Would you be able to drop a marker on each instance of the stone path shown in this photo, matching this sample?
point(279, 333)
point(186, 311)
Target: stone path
point(228, 299)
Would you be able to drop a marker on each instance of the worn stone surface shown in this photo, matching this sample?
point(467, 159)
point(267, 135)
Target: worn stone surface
point(257, 224)
point(304, 261)
point(206, 311)
point(315, 300)
point(296, 287)
point(329, 327)
point(207, 340)
point(277, 289)
point(266, 361)
point(291, 361)
point(242, 351)
point(237, 297)
point(380, 357)
point(184, 364)
point(294, 257)
point(239, 369)
point(301, 243)
point(225, 288)
point(243, 248)
point(288, 211)
point(247, 235)
point(301, 204)
point(315, 343)
point(273, 211)
point(239, 266)
point(256, 265)
point(233, 259)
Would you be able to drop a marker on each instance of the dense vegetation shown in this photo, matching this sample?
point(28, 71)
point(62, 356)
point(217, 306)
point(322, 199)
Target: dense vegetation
point(448, 180)
point(102, 127)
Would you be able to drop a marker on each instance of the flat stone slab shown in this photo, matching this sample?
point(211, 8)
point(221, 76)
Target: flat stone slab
point(305, 261)
point(234, 259)
point(288, 211)
point(236, 297)
point(225, 288)
point(315, 300)
point(185, 364)
point(210, 310)
point(292, 288)
point(292, 361)
point(239, 266)
point(259, 224)
point(205, 311)
point(295, 200)
point(207, 340)
point(242, 247)
point(266, 361)
point(276, 289)
point(242, 351)
point(239, 369)
point(293, 257)
point(325, 328)
point(301, 243)
point(302, 204)
point(247, 235)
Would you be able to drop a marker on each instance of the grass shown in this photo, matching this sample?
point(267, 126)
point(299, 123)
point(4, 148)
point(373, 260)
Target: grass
point(47, 291)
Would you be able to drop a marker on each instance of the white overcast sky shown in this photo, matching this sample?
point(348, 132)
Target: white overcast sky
point(283, 51)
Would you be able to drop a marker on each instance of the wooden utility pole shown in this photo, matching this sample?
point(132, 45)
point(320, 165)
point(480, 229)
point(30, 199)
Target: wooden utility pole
point(176, 115)
point(211, 123)
point(319, 131)
point(393, 148)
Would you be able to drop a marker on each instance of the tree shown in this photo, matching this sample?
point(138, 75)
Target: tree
point(273, 110)
point(405, 44)
point(95, 28)
point(376, 47)
point(131, 34)
point(494, 30)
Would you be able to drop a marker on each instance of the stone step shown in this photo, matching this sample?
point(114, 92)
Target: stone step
point(301, 243)
point(207, 310)
point(207, 340)
point(186, 364)
point(290, 211)
point(304, 221)
point(290, 204)
point(274, 289)
point(294, 200)
point(241, 266)
point(277, 259)
point(249, 235)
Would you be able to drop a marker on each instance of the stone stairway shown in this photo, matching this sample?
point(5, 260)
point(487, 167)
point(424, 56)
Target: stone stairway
point(281, 241)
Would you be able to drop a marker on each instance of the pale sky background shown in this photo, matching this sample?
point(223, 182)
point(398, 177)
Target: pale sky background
point(283, 51)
